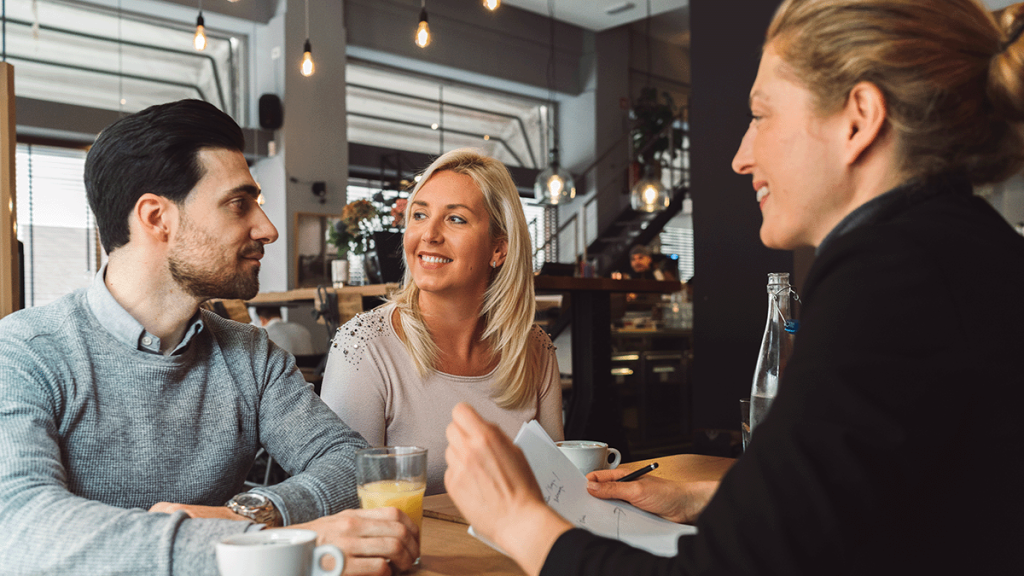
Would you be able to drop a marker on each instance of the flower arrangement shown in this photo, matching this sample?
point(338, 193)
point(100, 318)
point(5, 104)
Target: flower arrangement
point(353, 232)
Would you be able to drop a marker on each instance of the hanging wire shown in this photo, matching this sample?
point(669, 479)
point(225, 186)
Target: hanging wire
point(120, 65)
point(648, 34)
point(440, 102)
point(551, 73)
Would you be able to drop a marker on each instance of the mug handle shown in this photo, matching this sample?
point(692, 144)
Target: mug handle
point(618, 458)
point(328, 550)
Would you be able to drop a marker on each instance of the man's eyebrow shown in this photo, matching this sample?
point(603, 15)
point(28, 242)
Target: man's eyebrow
point(249, 189)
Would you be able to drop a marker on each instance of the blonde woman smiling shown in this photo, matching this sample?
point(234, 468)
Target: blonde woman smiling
point(460, 330)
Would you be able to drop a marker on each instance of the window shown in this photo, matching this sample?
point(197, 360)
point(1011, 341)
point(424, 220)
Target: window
point(678, 241)
point(398, 109)
point(62, 249)
point(102, 58)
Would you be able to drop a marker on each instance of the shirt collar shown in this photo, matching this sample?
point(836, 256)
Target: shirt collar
point(894, 201)
point(112, 316)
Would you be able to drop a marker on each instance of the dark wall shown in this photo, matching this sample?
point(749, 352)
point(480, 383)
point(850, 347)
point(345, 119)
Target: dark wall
point(731, 265)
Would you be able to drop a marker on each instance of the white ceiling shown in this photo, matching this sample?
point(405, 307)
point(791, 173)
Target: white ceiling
point(598, 15)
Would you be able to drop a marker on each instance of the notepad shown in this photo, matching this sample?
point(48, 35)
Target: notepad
point(565, 489)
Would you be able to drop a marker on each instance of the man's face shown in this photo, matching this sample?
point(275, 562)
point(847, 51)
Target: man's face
point(217, 246)
point(640, 262)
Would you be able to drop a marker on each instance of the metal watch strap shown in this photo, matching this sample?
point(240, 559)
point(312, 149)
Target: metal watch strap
point(255, 507)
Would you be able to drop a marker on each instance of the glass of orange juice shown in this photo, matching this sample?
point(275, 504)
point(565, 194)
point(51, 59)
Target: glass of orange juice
point(394, 476)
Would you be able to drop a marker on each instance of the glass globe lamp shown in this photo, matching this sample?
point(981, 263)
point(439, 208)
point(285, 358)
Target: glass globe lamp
point(554, 185)
point(649, 194)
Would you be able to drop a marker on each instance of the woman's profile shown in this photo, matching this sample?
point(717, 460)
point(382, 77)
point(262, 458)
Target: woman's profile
point(893, 444)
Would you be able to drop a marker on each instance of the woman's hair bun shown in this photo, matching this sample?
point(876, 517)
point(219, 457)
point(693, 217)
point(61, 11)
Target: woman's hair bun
point(1006, 74)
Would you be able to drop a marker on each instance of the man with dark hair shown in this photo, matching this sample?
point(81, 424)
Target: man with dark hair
point(128, 416)
point(292, 336)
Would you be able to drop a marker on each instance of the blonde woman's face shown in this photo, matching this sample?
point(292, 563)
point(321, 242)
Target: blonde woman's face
point(447, 242)
point(793, 157)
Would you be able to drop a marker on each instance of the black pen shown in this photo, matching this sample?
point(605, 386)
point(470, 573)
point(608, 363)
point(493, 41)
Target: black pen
point(638, 473)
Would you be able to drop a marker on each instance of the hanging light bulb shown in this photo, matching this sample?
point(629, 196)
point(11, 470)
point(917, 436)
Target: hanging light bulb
point(554, 184)
point(200, 38)
point(307, 60)
point(307, 67)
point(492, 5)
point(423, 30)
point(649, 194)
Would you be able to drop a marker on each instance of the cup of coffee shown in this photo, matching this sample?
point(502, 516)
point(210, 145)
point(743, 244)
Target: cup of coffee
point(278, 552)
point(588, 455)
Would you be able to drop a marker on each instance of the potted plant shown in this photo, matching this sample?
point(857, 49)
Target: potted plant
point(652, 114)
point(351, 234)
point(361, 230)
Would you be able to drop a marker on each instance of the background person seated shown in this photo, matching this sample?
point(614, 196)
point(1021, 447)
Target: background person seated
point(293, 337)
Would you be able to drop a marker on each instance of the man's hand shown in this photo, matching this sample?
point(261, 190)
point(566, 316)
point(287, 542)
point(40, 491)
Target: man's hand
point(373, 541)
point(675, 501)
point(196, 511)
point(491, 483)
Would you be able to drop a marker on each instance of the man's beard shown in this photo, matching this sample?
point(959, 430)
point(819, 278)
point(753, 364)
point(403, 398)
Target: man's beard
point(212, 280)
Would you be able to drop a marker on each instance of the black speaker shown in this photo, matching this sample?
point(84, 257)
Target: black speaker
point(271, 113)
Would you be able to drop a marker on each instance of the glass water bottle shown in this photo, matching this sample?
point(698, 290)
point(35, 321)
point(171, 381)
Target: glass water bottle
point(776, 346)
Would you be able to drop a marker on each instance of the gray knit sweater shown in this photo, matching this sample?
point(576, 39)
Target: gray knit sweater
point(94, 431)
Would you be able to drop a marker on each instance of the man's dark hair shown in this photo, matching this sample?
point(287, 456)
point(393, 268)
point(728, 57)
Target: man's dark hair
point(153, 151)
point(265, 311)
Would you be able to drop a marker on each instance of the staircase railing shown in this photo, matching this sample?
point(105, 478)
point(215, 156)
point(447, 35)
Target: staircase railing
point(554, 238)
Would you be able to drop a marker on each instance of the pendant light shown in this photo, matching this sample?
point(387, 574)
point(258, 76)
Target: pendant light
point(492, 5)
point(423, 30)
point(554, 185)
point(307, 67)
point(649, 194)
point(199, 41)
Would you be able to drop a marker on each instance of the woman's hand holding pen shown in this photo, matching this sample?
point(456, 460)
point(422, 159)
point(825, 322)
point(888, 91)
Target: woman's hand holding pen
point(675, 501)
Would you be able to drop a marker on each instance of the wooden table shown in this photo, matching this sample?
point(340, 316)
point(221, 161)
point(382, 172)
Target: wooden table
point(448, 549)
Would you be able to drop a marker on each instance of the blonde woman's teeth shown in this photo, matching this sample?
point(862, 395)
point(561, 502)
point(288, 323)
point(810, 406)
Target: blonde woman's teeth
point(762, 193)
point(436, 259)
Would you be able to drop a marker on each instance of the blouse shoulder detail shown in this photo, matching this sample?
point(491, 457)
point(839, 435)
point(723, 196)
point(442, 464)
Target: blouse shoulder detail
point(352, 337)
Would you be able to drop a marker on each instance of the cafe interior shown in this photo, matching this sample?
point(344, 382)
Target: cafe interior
point(635, 108)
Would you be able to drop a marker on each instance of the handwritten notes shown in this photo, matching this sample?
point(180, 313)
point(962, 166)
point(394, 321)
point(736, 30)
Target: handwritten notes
point(565, 489)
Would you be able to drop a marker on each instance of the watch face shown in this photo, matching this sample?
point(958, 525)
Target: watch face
point(250, 500)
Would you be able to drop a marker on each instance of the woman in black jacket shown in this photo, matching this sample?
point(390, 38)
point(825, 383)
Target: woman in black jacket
point(893, 445)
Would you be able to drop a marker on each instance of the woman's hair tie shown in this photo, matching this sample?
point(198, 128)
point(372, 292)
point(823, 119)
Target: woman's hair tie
point(1013, 35)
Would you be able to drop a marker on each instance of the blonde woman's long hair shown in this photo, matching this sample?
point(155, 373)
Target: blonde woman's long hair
point(509, 306)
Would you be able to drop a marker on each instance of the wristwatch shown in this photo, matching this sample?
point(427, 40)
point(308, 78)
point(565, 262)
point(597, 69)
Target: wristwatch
point(255, 507)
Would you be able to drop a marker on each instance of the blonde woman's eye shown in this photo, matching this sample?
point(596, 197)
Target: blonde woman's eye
point(458, 219)
point(418, 215)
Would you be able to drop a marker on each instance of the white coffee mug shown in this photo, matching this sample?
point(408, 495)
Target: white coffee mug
point(279, 552)
point(588, 455)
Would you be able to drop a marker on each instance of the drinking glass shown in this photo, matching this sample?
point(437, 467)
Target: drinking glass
point(393, 476)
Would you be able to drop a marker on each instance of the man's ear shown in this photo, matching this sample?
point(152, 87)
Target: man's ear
point(864, 114)
point(155, 217)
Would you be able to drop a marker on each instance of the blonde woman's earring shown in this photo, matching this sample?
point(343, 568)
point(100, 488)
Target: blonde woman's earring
point(494, 263)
